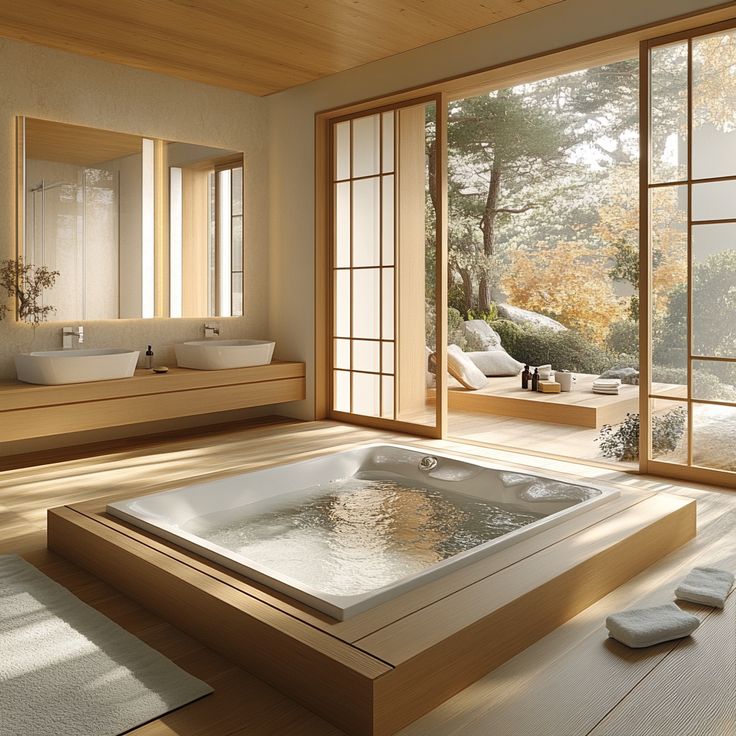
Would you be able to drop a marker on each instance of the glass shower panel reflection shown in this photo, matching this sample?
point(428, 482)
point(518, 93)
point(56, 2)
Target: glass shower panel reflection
point(72, 212)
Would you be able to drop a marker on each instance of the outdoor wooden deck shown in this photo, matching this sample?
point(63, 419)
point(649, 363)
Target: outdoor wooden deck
point(504, 396)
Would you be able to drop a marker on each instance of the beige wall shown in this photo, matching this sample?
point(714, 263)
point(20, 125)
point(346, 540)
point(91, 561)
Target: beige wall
point(50, 84)
point(292, 133)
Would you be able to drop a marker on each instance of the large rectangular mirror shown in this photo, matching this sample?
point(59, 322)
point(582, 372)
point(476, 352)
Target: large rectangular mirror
point(135, 226)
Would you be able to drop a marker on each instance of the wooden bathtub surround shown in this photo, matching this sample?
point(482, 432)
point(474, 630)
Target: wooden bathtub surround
point(29, 412)
point(379, 671)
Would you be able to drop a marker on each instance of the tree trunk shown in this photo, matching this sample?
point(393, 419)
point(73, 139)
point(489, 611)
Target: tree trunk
point(484, 295)
point(432, 172)
point(467, 283)
point(487, 227)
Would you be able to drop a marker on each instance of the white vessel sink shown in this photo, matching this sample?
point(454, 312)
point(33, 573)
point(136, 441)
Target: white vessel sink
point(213, 355)
point(54, 367)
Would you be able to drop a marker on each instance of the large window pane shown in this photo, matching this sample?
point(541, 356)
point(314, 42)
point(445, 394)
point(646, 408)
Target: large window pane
point(668, 113)
point(714, 290)
point(668, 228)
point(714, 96)
point(714, 438)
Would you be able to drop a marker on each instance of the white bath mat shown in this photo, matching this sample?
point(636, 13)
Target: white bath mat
point(67, 670)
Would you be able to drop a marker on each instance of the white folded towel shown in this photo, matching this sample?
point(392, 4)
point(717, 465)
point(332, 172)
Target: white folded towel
point(645, 627)
point(706, 585)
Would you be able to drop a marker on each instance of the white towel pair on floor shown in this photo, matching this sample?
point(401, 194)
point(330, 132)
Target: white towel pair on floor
point(645, 627)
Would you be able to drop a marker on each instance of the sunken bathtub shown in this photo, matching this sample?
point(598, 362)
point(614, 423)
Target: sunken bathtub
point(346, 532)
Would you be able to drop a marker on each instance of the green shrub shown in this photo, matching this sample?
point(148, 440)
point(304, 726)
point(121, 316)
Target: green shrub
point(511, 334)
point(565, 349)
point(621, 441)
point(706, 385)
point(623, 337)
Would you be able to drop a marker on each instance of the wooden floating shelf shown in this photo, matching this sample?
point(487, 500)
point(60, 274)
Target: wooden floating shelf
point(377, 672)
point(29, 412)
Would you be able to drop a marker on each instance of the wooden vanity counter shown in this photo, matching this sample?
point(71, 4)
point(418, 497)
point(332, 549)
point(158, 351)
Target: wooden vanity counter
point(28, 411)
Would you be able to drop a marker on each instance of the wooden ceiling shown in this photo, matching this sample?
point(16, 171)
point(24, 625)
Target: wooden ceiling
point(257, 46)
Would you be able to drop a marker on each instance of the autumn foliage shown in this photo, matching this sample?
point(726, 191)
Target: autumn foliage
point(567, 280)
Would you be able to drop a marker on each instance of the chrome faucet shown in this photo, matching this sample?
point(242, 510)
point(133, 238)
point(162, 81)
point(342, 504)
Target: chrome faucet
point(211, 329)
point(68, 334)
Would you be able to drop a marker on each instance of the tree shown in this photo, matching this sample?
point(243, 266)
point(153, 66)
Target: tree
point(565, 281)
point(497, 142)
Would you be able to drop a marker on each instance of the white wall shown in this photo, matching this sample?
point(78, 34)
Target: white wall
point(50, 84)
point(292, 133)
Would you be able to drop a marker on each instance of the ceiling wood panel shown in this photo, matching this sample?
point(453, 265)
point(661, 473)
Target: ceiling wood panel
point(256, 46)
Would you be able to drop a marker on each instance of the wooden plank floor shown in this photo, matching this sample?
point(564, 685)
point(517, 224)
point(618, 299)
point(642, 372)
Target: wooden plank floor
point(573, 682)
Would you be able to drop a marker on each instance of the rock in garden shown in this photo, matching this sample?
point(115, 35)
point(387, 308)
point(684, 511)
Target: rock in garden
point(525, 316)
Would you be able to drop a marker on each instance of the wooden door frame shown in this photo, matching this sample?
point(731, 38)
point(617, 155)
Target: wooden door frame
point(324, 315)
point(647, 463)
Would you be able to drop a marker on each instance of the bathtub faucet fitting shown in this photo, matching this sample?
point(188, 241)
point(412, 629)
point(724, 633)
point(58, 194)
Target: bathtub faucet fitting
point(428, 463)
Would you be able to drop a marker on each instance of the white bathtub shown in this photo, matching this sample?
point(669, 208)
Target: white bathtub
point(345, 532)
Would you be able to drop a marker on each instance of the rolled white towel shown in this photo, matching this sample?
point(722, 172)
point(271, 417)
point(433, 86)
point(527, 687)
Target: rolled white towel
point(645, 627)
point(706, 585)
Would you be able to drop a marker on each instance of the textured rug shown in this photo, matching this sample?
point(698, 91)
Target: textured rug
point(67, 670)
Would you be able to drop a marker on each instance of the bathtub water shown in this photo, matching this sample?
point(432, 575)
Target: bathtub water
point(347, 531)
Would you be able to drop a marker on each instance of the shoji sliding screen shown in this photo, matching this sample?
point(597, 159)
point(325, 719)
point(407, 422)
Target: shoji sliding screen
point(689, 218)
point(386, 285)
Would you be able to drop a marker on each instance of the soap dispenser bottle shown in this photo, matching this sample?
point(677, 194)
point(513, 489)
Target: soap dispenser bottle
point(148, 360)
point(525, 376)
point(535, 380)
